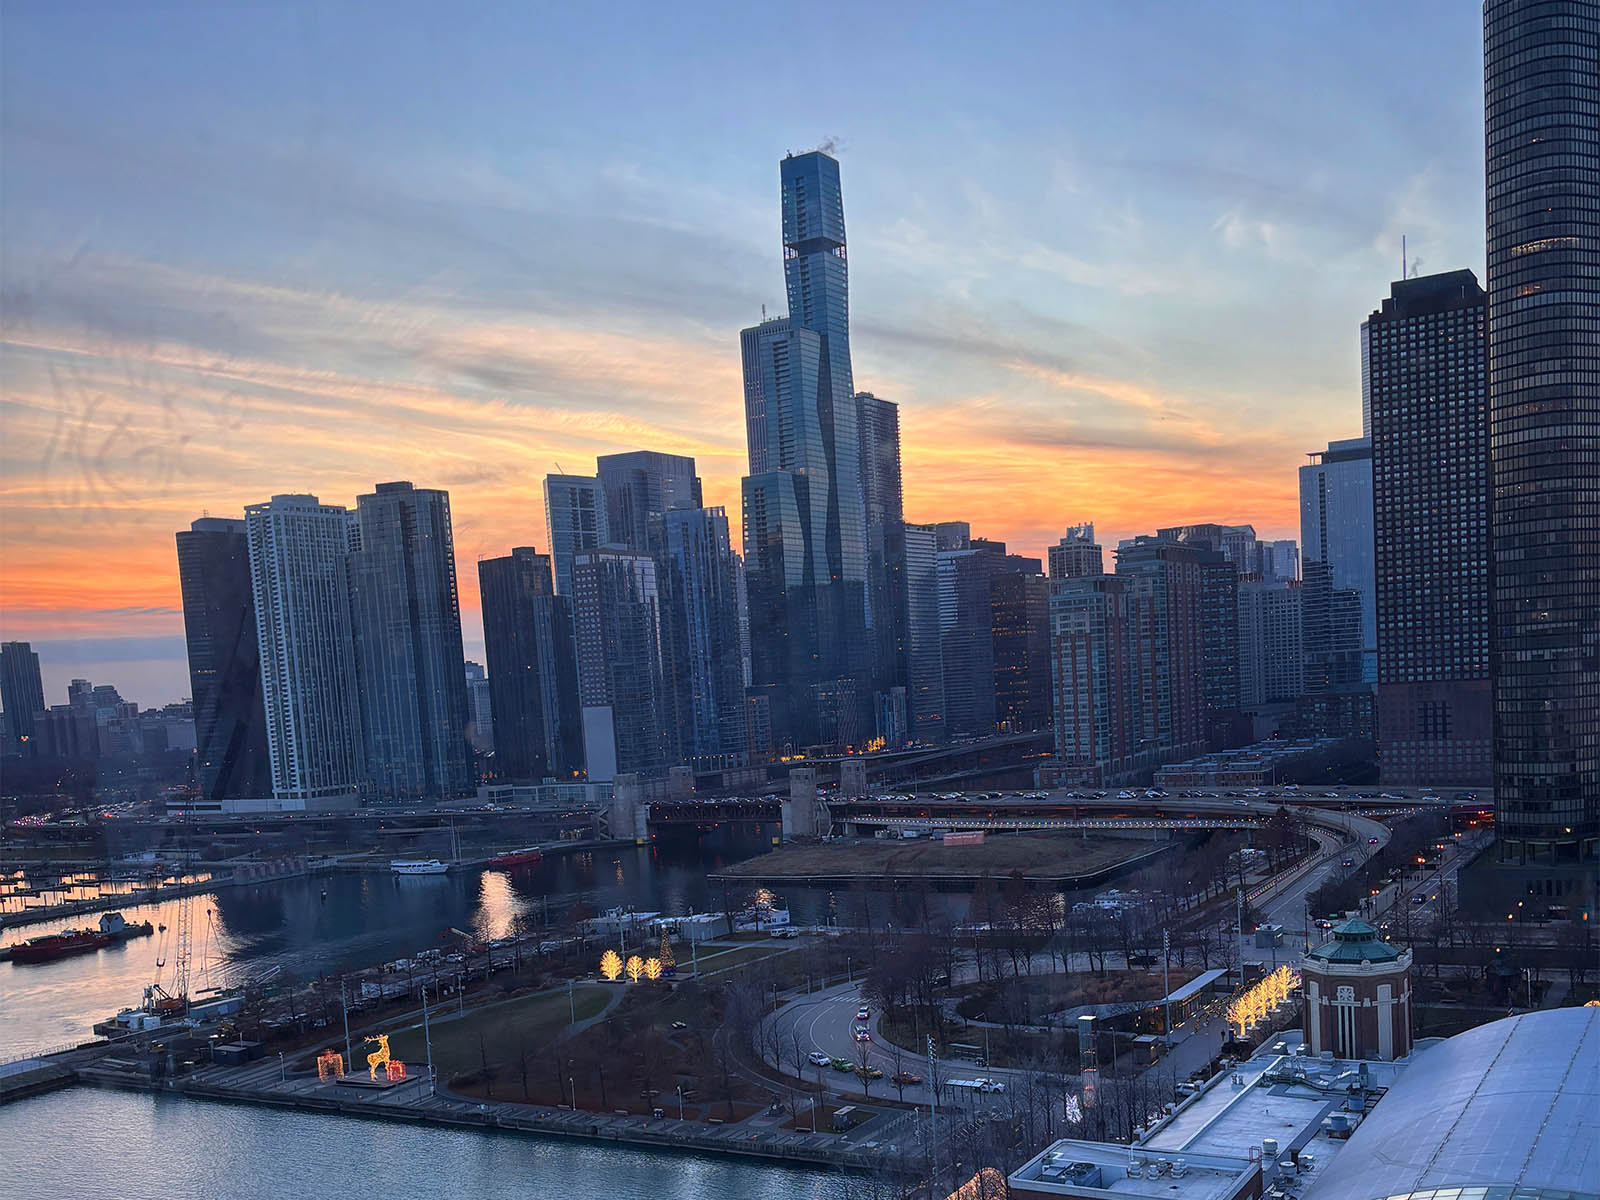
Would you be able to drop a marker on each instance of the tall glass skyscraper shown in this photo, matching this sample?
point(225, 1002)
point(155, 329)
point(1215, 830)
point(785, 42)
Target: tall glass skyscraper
point(804, 510)
point(575, 520)
point(21, 691)
point(219, 627)
point(298, 547)
point(1336, 545)
point(701, 650)
point(617, 614)
point(641, 485)
point(1542, 146)
point(406, 624)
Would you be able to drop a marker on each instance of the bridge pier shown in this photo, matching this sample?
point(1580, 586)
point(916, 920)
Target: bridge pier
point(801, 808)
point(852, 778)
point(628, 815)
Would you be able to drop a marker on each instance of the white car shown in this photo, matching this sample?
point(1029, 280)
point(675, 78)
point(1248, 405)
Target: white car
point(818, 1059)
point(990, 1085)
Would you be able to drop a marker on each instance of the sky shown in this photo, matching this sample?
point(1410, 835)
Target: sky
point(1110, 260)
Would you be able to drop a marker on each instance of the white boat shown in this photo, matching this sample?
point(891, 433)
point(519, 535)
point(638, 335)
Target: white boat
point(417, 866)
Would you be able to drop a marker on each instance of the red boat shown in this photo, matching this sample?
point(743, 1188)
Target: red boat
point(58, 945)
point(516, 858)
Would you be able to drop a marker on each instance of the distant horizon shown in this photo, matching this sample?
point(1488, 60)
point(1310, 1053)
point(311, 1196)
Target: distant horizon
point(1105, 276)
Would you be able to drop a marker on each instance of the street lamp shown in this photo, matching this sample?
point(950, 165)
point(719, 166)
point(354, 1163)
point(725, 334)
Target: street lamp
point(680, 1102)
point(281, 1076)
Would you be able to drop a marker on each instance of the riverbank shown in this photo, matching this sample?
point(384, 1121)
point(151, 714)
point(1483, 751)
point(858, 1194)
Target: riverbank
point(251, 873)
point(1048, 860)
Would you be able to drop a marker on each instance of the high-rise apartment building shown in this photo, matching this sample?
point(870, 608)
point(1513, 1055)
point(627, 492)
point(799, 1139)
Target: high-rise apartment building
point(804, 507)
point(21, 691)
point(1096, 675)
point(406, 626)
point(1238, 543)
point(298, 547)
point(1271, 653)
point(480, 708)
point(703, 668)
point(627, 723)
point(967, 617)
point(533, 673)
point(1336, 524)
point(638, 487)
point(1430, 463)
point(219, 627)
point(575, 520)
point(1076, 554)
point(924, 652)
point(1542, 150)
point(1166, 578)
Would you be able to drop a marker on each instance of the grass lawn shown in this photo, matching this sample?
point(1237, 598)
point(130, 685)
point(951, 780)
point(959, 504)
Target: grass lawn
point(744, 954)
point(455, 1040)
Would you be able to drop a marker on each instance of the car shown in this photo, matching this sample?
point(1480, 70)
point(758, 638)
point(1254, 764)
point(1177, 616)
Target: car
point(869, 1072)
point(1420, 898)
point(1347, 863)
point(1242, 803)
point(863, 1034)
point(905, 1078)
point(1372, 841)
point(818, 1059)
point(1324, 923)
point(842, 1064)
point(990, 1085)
point(680, 1024)
point(863, 1013)
point(1141, 960)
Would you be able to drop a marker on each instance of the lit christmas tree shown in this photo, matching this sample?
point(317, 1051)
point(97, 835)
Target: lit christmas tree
point(669, 965)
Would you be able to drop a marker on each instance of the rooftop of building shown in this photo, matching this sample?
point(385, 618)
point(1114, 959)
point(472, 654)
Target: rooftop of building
point(1257, 753)
point(1354, 942)
point(1294, 1101)
point(1076, 1168)
point(1510, 1109)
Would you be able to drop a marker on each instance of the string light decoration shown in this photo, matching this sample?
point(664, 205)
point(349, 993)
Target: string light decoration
point(635, 967)
point(652, 969)
point(668, 962)
point(394, 1070)
point(1257, 1003)
point(611, 965)
point(330, 1065)
point(379, 1057)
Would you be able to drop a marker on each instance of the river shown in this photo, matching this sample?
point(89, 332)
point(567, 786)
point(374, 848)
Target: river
point(364, 919)
point(91, 1144)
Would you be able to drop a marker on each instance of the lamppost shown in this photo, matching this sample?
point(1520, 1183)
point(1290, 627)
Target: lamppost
point(680, 1102)
point(572, 1013)
point(281, 1076)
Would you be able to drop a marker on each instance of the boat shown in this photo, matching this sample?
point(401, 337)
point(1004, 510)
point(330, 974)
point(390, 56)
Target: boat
point(524, 857)
point(59, 945)
point(417, 866)
point(115, 926)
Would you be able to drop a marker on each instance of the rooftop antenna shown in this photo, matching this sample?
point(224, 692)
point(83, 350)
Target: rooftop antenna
point(763, 312)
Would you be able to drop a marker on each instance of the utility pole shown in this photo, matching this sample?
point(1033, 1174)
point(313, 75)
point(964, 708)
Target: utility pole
point(933, 1119)
point(572, 1013)
point(1239, 895)
point(1166, 982)
point(344, 1004)
point(427, 1040)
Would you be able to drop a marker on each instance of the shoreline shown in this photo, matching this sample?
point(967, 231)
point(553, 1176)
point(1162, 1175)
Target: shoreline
point(691, 1137)
point(938, 881)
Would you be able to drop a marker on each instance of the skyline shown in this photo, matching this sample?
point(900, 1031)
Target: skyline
point(1167, 342)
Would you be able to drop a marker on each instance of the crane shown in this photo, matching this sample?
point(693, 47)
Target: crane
point(157, 998)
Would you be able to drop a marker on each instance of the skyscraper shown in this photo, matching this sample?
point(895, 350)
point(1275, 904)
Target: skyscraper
point(924, 656)
point(1280, 561)
point(878, 424)
point(1336, 531)
point(21, 691)
point(1077, 554)
point(1430, 465)
point(219, 626)
point(617, 613)
point(1019, 606)
point(702, 664)
point(406, 627)
point(1095, 678)
point(1165, 578)
point(298, 547)
point(638, 487)
point(1541, 92)
point(804, 510)
point(575, 520)
point(533, 673)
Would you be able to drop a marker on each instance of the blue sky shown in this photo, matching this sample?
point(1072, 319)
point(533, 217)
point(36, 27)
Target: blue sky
point(1110, 259)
